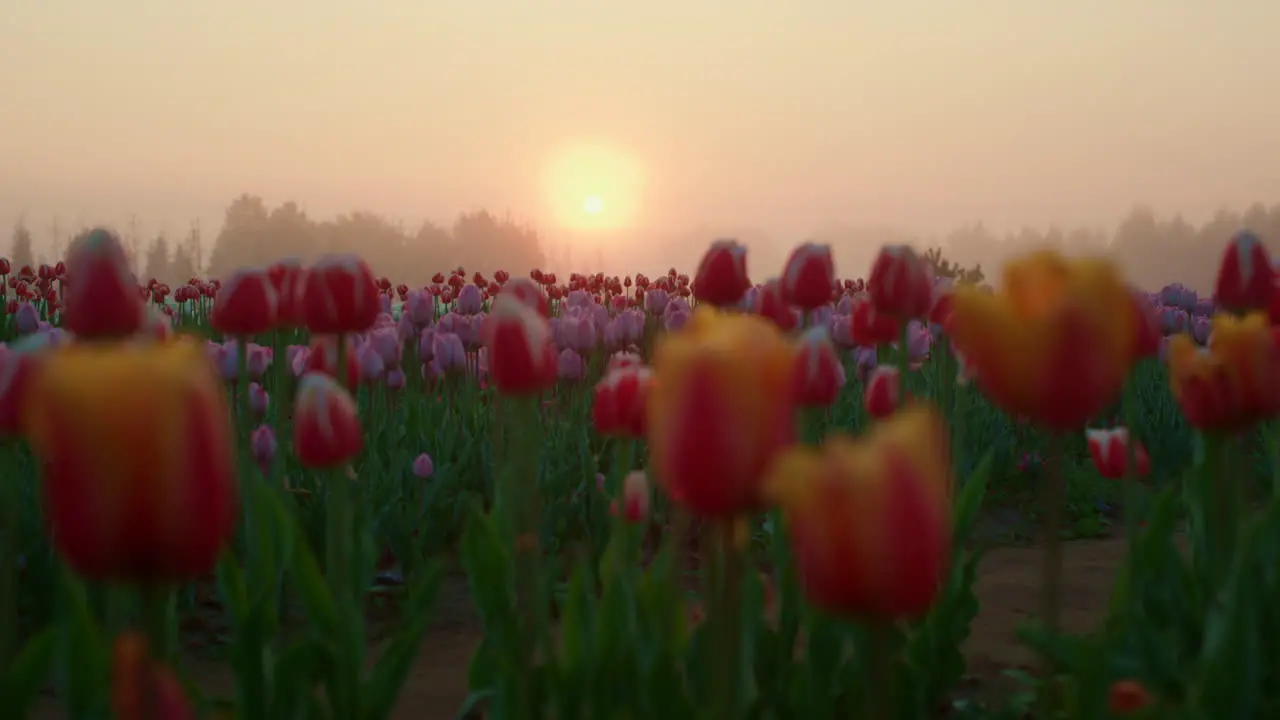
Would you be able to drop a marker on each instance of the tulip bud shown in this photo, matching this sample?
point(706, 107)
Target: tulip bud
point(618, 406)
point(768, 302)
point(635, 498)
point(287, 279)
point(263, 445)
point(869, 326)
point(1245, 276)
point(900, 283)
point(721, 278)
point(326, 427)
point(1110, 450)
point(423, 467)
point(809, 274)
point(259, 400)
point(883, 393)
point(141, 688)
point(720, 408)
point(1128, 697)
point(869, 518)
point(818, 374)
point(522, 359)
point(245, 304)
point(113, 488)
point(340, 296)
point(101, 299)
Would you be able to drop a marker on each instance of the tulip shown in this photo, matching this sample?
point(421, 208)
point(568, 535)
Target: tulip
point(259, 399)
point(326, 427)
point(634, 507)
point(263, 446)
point(143, 688)
point(1245, 276)
point(817, 372)
point(870, 519)
point(529, 293)
point(423, 467)
point(721, 407)
point(619, 402)
point(870, 326)
point(340, 296)
point(884, 391)
point(1110, 450)
point(1232, 383)
point(721, 279)
point(900, 283)
point(17, 365)
point(287, 279)
point(322, 357)
point(522, 360)
point(808, 276)
point(1055, 345)
point(101, 299)
point(767, 302)
point(245, 304)
point(136, 449)
point(1128, 697)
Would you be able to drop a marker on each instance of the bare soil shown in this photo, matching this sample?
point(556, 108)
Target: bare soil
point(1008, 589)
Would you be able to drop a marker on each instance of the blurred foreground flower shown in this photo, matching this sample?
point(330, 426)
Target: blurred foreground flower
point(522, 358)
point(1235, 381)
point(141, 687)
point(721, 407)
point(870, 518)
point(721, 279)
point(1055, 345)
point(136, 448)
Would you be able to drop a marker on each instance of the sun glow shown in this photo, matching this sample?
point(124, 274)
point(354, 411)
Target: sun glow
point(578, 178)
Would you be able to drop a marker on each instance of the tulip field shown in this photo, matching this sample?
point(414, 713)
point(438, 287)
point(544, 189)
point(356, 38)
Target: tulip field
point(304, 491)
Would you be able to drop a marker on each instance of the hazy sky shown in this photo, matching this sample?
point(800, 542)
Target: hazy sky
point(784, 116)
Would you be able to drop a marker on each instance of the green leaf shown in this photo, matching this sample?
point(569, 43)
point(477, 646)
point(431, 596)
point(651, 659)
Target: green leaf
point(388, 675)
point(30, 671)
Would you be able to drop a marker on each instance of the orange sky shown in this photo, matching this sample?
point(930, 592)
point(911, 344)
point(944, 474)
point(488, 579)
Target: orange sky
point(676, 113)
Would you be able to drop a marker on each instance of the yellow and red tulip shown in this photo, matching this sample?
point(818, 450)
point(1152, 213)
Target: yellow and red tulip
point(1056, 344)
point(721, 407)
point(1232, 383)
point(870, 518)
point(136, 448)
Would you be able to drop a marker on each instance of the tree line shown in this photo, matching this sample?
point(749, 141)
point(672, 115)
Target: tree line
point(1153, 250)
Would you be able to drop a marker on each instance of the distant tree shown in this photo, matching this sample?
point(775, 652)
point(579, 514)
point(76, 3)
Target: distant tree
point(158, 264)
point(21, 252)
point(183, 266)
point(952, 271)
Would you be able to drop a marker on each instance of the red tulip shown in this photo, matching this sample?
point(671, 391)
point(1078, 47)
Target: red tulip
point(528, 292)
point(721, 279)
point(326, 426)
point(340, 296)
point(245, 305)
point(17, 365)
point(1128, 697)
point(1245, 276)
point(817, 373)
point(618, 407)
point(136, 449)
point(808, 277)
point(883, 393)
point(101, 300)
point(288, 278)
point(900, 283)
point(869, 326)
point(1110, 451)
point(323, 358)
point(636, 498)
point(522, 360)
point(141, 687)
point(768, 303)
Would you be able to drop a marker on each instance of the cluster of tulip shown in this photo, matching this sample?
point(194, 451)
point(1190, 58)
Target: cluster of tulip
point(869, 519)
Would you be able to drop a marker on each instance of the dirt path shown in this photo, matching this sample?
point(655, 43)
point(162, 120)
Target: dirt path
point(1008, 586)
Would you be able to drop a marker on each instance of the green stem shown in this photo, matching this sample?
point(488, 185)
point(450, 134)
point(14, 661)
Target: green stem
point(10, 496)
point(519, 503)
point(155, 620)
point(881, 701)
point(729, 619)
point(1052, 506)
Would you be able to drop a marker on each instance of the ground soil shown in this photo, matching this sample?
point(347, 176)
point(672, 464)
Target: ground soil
point(1008, 582)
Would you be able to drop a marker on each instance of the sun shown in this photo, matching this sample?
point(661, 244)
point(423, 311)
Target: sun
point(592, 188)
